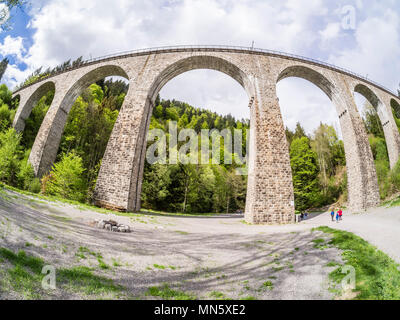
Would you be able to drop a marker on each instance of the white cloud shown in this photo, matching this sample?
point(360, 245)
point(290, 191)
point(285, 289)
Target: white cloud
point(67, 29)
point(14, 76)
point(12, 46)
point(330, 32)
point(375, 50)
point(226, 95)
point(303, 102)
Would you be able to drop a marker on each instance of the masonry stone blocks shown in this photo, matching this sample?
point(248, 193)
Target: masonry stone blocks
point(270, 197)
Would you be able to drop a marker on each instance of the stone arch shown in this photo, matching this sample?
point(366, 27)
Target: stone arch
point(362, 181)
point(91, 77)
point(385, 116)
point(45, 148)
point(27, 104)
point(119, 185)
point(310, 75)
point(368, 94)
point(200, 62)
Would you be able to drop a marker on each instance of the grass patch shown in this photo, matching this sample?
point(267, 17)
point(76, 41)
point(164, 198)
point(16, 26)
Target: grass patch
point(391, 203)
point(320, 244)
point(25, 278)
point(101, 262)
point(82, 280)
point(166, 293)
point(332, 264)
point(184, 233)
point(377, 275)
point(267, 285)
point(60, 218)
point(217, 295)
point(277, 269)
point(116, 263)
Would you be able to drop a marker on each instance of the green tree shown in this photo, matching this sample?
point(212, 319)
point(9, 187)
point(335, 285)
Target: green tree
point(26, 175)
point(10, 154)
point(5, 117)
point(305, 173)
point(372, 121)
point(155, 186)
point(67, 178)
point(3, 67)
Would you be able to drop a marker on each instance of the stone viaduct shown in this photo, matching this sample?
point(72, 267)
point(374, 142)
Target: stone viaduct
point(270, 198)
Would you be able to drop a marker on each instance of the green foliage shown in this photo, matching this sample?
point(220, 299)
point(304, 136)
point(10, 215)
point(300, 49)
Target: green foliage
point(3, 66)
point(395, 176)
point(386, 177)
point(305, 172)
point(26, 176)
point(372, 121)
point(6, 112)
point(5, 95)
point(5, 117)
point(66, 178)
point(88, 130)
point(10, 154)
point(192, 188)
point(39, 75)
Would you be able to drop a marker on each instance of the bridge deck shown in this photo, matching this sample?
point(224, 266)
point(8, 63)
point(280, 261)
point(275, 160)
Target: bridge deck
point(213, 48)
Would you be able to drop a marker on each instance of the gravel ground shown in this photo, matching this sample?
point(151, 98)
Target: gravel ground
point(208, 257)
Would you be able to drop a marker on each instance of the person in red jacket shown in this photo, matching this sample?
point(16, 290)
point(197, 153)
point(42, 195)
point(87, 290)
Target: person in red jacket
point(340, 212)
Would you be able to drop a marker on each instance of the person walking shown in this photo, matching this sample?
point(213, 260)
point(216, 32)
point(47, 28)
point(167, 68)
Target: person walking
point(333, 215)
point(340, 212)
point(337, 217)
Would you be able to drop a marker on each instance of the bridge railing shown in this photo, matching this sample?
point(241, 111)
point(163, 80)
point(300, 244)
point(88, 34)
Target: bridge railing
point(252, 50)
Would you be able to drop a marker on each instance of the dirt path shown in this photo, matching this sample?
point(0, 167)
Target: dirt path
point(380, 227)
point(206, 257)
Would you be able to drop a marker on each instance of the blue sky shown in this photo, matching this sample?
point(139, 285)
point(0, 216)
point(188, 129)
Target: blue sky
point(48, 32)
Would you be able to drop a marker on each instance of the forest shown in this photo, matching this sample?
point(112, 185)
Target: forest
point(317, 160)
